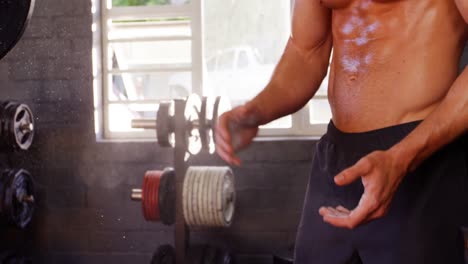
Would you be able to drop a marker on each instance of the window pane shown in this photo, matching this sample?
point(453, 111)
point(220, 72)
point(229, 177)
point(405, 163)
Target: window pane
point(129, 30)
point(120, 115)
point(284, 122)
point(148, 2)
point(243, 41)
point(150, 54)
point(149, 86)
point(320, 112)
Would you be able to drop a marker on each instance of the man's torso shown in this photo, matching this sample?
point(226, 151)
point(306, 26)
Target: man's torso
point(393, 60)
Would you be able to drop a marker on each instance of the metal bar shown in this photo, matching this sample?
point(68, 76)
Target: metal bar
point(197, 47)
point(181, 234)
point(144, 123)
point(146, 12)
point(105, 67)
point(153, 69)
point(137, 195)
point(150, 39)
point(127, 102)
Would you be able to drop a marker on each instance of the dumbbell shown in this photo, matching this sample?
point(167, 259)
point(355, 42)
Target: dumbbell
point(208, 196)
point(201, 116)
point(157, 196)
point(16, 126)
point(17, 200)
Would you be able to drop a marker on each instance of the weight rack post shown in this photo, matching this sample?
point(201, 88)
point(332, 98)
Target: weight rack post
point(181, 231)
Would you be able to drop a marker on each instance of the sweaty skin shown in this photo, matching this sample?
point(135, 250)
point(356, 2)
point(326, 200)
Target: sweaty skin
point(394, 61)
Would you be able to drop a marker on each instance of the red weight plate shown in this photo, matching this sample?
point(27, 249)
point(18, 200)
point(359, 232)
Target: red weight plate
point(150, 195)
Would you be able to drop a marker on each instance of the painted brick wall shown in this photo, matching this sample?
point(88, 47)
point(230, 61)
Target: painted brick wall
point(84, 214)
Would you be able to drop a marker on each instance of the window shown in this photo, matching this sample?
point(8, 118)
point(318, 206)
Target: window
point(151, 50)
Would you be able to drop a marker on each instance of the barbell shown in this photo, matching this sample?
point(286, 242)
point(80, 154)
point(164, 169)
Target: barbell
point(200, 115)
point(14, 17)
point(208, 196)
point(17, 200)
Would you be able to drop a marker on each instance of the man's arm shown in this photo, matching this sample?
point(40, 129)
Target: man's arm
point(302, 66)
point(382, 171)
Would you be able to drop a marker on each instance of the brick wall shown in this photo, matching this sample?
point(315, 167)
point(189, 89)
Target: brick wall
point(84, 214)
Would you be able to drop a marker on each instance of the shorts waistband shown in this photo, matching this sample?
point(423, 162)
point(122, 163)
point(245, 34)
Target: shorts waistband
point(382, 138)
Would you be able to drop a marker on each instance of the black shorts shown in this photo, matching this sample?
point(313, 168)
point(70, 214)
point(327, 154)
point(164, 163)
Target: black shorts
point(424, 221)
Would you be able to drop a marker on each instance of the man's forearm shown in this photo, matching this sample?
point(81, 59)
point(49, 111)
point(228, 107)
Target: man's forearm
point(295, 80)
point(447, 122)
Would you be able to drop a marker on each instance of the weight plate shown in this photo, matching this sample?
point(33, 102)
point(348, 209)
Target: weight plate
point(187, 196)
point(202, 200)
point(165, 254)
point(23, 126)
point(19, 202)
point(204, 128)
point(192, 132)
point(17, 125)
point(219, 200)
point(165, 124)
point(167, 196)
point(150, 195)
point(14, 17)
point(229, 196)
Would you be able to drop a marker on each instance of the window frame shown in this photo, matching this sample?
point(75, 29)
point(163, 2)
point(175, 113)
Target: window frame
point(300, 125)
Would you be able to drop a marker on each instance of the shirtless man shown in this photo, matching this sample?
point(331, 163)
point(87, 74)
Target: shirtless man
point(389, 182)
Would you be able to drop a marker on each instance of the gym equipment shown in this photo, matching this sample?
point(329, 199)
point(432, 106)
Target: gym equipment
point(17, 197)
point(16, 125)
point(200, 118)
point(13, 258)
point(208, 197)
point(188, 125)
point(157, 196)
point(14, 17)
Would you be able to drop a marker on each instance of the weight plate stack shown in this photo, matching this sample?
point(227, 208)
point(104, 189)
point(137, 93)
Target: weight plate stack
point(17, 194)
point(165, 254)
point(150, 195)
point(17, 126)
point(14, 17)
point(192, 116)
point(208, 197)
point(165, 124)
point(167, 195)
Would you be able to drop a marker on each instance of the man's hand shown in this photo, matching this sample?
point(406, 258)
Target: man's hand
point(236, 129)
point(381, 173)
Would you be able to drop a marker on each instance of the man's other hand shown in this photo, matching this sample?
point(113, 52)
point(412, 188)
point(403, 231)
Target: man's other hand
point(381, 174)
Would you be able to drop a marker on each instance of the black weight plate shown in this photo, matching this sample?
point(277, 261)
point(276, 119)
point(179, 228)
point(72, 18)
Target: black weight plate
point(167, 194)
point(14, 17)
point(165, 254)
point(19, 198)
point(165, 125)
point(204, 126)
point(21, 126)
